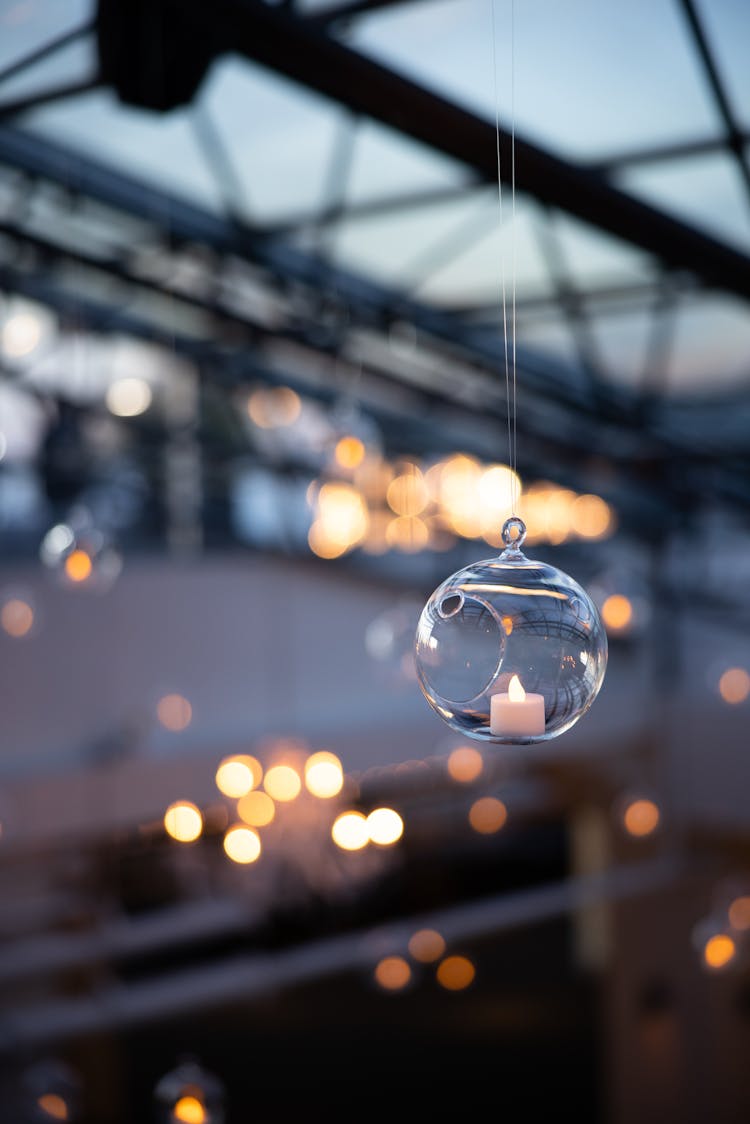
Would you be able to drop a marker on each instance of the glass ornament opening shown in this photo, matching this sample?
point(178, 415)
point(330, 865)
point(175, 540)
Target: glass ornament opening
point(509, 649)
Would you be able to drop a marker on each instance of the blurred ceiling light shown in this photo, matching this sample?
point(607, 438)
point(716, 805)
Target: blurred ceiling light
point(426, 945)
point(719, 951)
point(641, 817)
point(349, 452)
point(465, 764)
point(488, 815)
point(174, 712)
point(324, 776)
point(408, 533)
point(282, 783)
point(393, 973)
point(274, 407)
point(237, 775)
point(385, 826)
point(407, 493)
point(189, 1110)
point(455, 973)
point(78, 566)
point(256, 809)
point(54, 1106)
point(734, 685)
point(17, 617)
point(617, 613)
point(350, 831)
point(183, 821)
point(129, 397)
point(242, 844)
point(739, 913)
point(21, 334)
point(591, 517)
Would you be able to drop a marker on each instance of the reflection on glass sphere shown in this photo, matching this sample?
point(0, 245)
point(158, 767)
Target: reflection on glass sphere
point(510, 650)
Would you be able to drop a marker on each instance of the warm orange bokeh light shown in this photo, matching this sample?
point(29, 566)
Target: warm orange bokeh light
point(641, 817)
point(393, 973)
point(174, 712)
point(487, 815)
point(16, 617)
point(350, 831)
point(385, 826)
point(739, 913)
point(256, 809)
point(617, 612)
point(349, 452)
point(282, 783)
point(426, 945)
point(274, 407)
point(242, 844)
point(189, 1110)
point(465, 764)
point(455, 973)
point(237, 775)
point(324, 776)
point(591, 517)
point(53, 1105)
point(78, 566)
point(183, 821)
point(719, 951)
point(734, 685)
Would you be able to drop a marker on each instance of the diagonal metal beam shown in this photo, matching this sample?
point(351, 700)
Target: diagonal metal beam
point(302, 53)
point(47, 49)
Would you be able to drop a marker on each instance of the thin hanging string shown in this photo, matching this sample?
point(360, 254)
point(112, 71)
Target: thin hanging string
point(514, 464)
point(502, 256)
point(509, 351)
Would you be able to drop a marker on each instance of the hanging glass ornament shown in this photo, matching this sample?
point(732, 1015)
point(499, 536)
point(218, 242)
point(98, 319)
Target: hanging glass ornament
point(510, 650)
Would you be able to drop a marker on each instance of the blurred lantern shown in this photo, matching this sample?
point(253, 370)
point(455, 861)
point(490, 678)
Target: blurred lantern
point(190, 1095)
point(81, 554)
point(52, 1091)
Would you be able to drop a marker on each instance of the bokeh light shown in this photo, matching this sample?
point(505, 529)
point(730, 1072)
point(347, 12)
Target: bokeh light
point(349, 452)
point(385, 826)
point(282, 783)
point(455, 973)
point(256, 809)
point(393, 973)
point(78, 566)
point(189, 1110)
point(54, 1106)
point(641, 817)
point(237, 775)
point(183, 821)
point(274, 407)
point(129, 397)
point(21, 334)
point(488, 815)
point(734, 685)
point(739, 913)
point(426, 945)
point(242, 844)
point(719, 951)
point(591, 517)
point(324, 776)
point(174, 712)
point(617, 613)
point(17, 617)
point(465, 764)
point(350, 831)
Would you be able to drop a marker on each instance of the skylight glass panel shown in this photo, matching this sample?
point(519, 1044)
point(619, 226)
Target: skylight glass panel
point(727, 28)
point(590, 79)
point(711, 345)
point(386, 164)
point(704, 191)
point(27, 25)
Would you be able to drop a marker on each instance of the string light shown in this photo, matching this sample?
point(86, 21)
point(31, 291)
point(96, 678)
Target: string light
point(17, 617)
point(426, 945)
point(734, 685)
point(617, 613)
point(384, 826)
point(350, 831)
point(256, 809)
point(324, 776)
point(393, 973)
point(183, 821)
point(641, 817)
point(78, 566)
point(465, 764)
point(488, 815)
point(455, 973)
point(128, 397)
point(242, 844)
point(174, 713)
point(282, 783)
point(719, 951)
point(237, 775)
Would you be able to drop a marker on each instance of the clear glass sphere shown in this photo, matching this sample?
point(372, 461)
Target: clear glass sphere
point(510, 650)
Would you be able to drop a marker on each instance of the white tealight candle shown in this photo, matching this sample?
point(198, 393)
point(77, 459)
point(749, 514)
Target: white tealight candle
point(516, 714)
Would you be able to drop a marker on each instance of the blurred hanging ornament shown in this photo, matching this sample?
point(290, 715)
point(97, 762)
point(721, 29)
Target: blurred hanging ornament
point(510, 650)
point(190, 1094)
point(81, 554)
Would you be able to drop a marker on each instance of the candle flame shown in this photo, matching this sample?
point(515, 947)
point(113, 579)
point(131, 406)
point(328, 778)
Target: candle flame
point(516, 692)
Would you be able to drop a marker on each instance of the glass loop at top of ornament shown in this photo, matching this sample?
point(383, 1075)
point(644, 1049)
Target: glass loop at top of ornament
point(514, 533)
